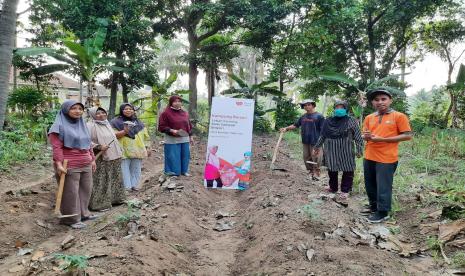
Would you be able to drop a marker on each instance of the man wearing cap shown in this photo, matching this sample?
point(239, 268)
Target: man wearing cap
point(382, 131)
point(310, 124)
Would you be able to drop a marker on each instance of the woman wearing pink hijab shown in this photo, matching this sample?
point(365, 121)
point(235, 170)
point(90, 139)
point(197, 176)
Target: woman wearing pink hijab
point(212, 168)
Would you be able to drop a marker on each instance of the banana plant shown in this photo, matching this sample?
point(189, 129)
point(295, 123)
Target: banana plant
point(244, 90)
point(84, 58)
point(160, 93)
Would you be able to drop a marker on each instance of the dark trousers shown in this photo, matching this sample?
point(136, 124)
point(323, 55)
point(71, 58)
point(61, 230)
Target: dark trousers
point(219, 183)
point(346, 182)
point(378, 183)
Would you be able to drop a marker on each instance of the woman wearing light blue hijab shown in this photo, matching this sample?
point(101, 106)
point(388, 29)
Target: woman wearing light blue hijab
point(71, 141)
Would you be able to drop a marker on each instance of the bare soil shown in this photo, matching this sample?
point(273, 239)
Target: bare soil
point(270, 234)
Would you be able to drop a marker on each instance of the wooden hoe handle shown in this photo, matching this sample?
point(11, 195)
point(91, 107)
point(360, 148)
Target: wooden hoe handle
point(275, 153)
point(60, 188)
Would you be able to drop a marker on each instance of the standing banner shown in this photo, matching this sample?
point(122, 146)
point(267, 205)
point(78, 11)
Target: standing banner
point(229, 148)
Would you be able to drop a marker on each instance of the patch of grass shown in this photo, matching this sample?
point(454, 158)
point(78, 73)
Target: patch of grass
point(434, 244)
point(458, 260)
point(311, 210)
point(294, 141)
point(72, 263)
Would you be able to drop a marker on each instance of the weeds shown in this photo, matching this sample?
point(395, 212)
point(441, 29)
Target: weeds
point(72, 263)
point(458, 260)
point(132, 213)
point(311, 210)
point(23, 140)
point(434, 244)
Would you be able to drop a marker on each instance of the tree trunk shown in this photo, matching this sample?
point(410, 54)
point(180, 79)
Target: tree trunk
point(403, 57)
point(113, 95)
point(125, 89)
point(193, 73)
point(451, 94)
point(371, 45)
point(90, 94)
point(229, 67)
point(80, 89)
point(210, 84)
point(7, 35)
point(281, 83)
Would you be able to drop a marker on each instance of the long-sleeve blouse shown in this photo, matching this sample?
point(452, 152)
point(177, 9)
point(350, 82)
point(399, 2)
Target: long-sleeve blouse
point(339, 154)
point(77, 158)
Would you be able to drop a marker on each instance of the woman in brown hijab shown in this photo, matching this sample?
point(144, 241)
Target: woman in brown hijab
point(108, 187)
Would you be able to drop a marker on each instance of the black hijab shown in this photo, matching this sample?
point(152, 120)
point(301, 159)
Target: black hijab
point(118, 122)
point(336, 127)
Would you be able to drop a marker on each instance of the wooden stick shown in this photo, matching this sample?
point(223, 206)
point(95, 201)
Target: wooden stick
point(60, 189)
point(447, 260)
point(101, 152)
point(275, 153)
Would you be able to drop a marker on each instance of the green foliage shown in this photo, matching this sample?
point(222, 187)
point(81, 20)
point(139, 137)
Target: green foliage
point(27, 98)
point(261, 124)
point(252, 91)
point(432, 160)
point(286, 113)
point(23, 139)
point(72, 263)
point(433, 243)
point(428, 108)
point(311, 210)
point(84, 58)
point(458, 260)
point(132, 213)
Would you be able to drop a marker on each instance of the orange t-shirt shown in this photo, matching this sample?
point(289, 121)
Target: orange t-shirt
point(392, 124)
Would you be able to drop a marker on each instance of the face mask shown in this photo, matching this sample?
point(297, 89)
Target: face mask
point(340, 112)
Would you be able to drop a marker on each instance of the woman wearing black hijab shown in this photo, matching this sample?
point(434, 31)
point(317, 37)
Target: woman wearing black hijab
point(338, 135)
point(134, 140)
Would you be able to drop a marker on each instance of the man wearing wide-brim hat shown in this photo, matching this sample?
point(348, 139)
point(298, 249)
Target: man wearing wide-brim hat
point(310, 124)
point(382, 131)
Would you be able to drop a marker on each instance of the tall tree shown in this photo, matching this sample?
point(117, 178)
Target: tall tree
point(130, 32)
point(258, 21)
point(373, 33)
point(7, 37)
point(442, 37)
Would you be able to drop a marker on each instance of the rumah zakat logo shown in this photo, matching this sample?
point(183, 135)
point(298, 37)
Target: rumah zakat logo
point(239, 103)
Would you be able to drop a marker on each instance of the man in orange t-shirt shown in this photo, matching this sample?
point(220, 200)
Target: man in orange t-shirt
point(382, 131)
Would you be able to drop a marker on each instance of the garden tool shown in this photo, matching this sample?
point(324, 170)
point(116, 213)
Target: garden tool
point(61, 185)
point(275, 154)
point(101, 152)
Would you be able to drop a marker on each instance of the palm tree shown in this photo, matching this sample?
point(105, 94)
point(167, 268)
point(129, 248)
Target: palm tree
point(7, 36)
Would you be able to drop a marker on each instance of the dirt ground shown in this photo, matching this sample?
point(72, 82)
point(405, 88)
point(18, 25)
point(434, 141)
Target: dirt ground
point(271, 233)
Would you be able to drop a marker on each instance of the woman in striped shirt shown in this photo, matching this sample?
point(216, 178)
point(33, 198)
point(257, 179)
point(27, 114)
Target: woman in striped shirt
point(338, 136)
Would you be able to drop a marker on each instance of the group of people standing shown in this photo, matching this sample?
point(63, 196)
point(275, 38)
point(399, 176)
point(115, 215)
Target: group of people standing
point(104, 158)
point(98, 183)
point(342, 141)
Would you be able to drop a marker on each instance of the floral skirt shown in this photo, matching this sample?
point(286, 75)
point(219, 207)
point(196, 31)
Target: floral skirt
point(108, 188)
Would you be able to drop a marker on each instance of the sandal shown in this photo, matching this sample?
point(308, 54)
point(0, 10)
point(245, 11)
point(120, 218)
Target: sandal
point(344, 196)
point(78, 225)
point(91, 217)
point(329, 190)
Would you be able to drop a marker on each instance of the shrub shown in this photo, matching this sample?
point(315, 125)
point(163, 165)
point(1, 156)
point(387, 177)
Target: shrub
point(286, 113)
point(27, 99)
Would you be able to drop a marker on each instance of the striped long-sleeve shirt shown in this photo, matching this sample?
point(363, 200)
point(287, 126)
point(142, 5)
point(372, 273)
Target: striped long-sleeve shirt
point(339, 154)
